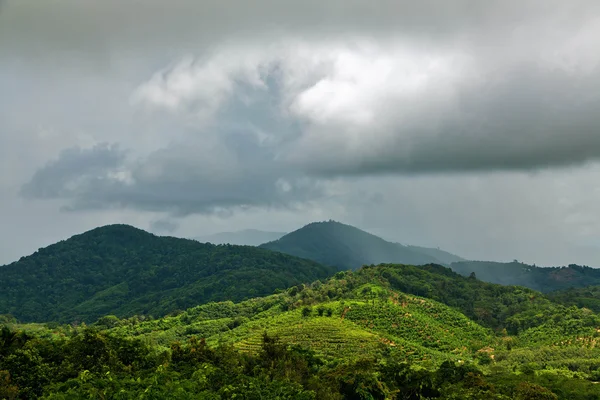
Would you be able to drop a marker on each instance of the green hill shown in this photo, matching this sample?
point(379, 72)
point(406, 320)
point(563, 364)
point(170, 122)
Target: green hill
point(124, 271)
point(538, 278)
point(419, 313)
point(347, 247)
point(383, 332)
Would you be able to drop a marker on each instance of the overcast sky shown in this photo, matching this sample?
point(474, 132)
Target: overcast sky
point(469, 125)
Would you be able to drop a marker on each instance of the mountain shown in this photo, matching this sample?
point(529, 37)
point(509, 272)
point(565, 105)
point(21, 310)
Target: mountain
point(247, 237)
point(544, 279)
point(347, 247)
point(382, 332)
point(121, 270)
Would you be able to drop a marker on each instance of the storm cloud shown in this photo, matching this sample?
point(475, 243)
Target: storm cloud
point(223, 110)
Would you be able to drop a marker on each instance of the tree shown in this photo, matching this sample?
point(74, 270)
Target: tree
point(531, 391)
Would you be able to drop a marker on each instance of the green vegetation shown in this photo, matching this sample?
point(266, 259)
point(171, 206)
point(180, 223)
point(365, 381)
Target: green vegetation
point(347, 247)
point(383, 332)
point(585, 297)
point(537, 278)
point(125, 271)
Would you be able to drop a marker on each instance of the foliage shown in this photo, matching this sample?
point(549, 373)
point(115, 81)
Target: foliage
point(588, 297)
point(89, 363)
point(385, 332)
point(125, 271)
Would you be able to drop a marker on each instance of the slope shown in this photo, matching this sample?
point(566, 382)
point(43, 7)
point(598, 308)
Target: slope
point(355, 335)
point(352, 316)
point(247, 237)
point(426, 312)
point(122, 270)
point(346, 247)
point(588, 297)
point(544, 279)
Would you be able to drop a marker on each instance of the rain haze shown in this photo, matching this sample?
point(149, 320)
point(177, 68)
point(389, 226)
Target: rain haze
point(466, 125)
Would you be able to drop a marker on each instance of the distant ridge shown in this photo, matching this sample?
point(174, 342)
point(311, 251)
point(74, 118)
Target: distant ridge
point(443, 256)
point(544, 279)
point(246, 237)
point(347, 247)
point(122, 270)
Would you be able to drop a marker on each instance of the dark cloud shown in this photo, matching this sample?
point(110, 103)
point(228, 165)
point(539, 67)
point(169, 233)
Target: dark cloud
point(76, 171)
point(199, 175)
point(307, 110)
point(526, 120)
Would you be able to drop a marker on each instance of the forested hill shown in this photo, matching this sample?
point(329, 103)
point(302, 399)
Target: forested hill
point(383, 332)
point(347, 247)
point(122, 270)
point(538, 278)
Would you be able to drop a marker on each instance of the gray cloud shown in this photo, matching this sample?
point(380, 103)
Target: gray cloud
point(210, 172)
point(386, 116)
point(76, 170)
point(526, 120)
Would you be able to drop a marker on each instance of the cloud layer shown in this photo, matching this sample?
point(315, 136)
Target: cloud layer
point(226, 108)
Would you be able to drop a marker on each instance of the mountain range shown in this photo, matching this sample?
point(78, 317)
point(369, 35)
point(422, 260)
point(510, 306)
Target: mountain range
point(122, 270)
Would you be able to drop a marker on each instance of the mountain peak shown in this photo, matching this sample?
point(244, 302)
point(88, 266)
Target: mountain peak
point(347, 247)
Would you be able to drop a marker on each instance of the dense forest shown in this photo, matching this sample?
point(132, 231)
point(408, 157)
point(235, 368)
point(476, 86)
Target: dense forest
point(124, 271)
point(588, 297)
point(544, 279)
point(347, 247)
point(383, 332)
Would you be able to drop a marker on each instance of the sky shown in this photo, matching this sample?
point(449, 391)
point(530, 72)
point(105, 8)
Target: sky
point(466, 125)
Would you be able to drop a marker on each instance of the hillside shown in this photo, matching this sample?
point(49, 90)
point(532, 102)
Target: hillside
point(122, 270)
point(346, 247)
point(391, 331)
point(588, 297)
point(538, 278)
point(247, 237)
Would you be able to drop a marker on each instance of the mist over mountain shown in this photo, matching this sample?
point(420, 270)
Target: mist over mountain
point(122, 270)
point(246, 237)
point(444, 256)
point(544, 279)
point(347, 247)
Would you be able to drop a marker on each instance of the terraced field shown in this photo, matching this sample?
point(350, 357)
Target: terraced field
point(421, 322)
point(327, 336)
